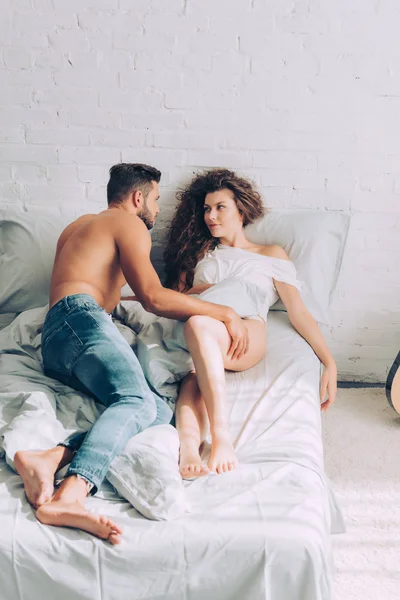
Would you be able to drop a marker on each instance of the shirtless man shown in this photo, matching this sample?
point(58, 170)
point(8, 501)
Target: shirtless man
point(96, 255)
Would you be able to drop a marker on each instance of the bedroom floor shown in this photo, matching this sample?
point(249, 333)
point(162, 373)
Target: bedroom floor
point(362, 450)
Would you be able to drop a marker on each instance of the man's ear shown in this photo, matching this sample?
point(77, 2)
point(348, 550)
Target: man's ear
point(137, 198)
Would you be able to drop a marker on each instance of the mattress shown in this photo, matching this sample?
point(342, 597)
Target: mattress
point(262, 531)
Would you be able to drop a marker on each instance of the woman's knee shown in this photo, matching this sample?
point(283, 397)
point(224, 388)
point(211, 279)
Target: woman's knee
point(198, 324)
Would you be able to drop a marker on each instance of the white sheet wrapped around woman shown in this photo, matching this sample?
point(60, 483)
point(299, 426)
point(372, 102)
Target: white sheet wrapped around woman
point(240, 279)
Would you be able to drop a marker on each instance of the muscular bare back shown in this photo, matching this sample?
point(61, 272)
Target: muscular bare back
point(87, 259)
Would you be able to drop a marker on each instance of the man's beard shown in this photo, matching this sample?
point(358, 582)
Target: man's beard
point(146, 216)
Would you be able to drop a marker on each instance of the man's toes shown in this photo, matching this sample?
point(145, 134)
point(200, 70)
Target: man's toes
point(113, 527)
point(117, 529)
point(114, 538)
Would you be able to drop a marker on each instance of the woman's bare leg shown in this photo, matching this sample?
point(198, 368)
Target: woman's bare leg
point(192, 425)
point(208, 342)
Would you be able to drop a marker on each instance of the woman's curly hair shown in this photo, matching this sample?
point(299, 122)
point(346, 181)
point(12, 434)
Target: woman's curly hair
point(189, 238)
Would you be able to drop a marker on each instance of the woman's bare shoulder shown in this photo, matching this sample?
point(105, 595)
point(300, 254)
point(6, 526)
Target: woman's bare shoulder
point(274, 251)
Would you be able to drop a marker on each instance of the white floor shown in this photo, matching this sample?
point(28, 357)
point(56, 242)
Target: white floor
point(362, 458)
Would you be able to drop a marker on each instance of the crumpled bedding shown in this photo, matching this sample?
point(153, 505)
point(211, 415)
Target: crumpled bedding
point(259, 532)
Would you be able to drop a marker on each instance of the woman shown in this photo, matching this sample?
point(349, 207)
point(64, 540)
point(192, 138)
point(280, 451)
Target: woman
point(206, 245)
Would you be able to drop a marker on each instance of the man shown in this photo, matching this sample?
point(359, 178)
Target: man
point(96, 255)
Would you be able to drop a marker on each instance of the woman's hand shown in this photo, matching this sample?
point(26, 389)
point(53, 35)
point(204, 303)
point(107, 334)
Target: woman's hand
point(328, 386)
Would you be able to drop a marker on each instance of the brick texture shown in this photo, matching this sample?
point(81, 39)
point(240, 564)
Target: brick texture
point(302, 96)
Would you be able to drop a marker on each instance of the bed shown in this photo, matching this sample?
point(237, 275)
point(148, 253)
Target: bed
point(260, 532)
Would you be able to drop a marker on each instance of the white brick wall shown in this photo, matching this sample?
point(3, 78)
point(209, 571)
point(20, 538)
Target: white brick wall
point(303, 96)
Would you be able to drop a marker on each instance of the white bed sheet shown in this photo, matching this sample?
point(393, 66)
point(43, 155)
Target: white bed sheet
point(261, 532)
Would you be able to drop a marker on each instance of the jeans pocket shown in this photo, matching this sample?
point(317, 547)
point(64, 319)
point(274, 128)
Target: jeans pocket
point(60, 349)
point(90, 306)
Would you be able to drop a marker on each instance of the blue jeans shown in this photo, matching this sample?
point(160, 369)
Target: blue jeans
point(82, 348)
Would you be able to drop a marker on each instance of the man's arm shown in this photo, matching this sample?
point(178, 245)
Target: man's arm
point(134, 244)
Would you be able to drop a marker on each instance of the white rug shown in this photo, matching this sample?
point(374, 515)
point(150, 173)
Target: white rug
point(362, 458)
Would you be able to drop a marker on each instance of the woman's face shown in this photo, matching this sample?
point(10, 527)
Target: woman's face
point(221, 214)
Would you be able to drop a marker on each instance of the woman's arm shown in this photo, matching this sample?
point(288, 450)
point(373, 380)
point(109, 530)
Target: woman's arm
point(196, 289)
point(308, 328)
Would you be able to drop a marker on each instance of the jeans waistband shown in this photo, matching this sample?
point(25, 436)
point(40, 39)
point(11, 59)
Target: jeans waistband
point(74, 301)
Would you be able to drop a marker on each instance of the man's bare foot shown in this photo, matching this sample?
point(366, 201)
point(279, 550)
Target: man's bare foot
point(37, 470)
point(67, 509)
point(223, 457)
point(190, 463)
point(73, 514)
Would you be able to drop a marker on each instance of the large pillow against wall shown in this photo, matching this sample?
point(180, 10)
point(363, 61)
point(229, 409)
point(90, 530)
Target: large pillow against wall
point(28, 243)
point(315, 242)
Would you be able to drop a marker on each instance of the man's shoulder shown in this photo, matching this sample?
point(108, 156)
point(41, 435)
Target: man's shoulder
point(83, 219)
point(108, 220)
point(120, 217)
point(77, 223)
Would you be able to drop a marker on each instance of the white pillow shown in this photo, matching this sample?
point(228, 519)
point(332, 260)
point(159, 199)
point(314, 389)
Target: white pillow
point(315, 242)
point(27, 248)
point(147, 474)
point(28, 242)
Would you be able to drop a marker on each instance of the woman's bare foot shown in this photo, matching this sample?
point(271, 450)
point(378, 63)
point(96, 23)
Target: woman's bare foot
point(190, 463)
point(37, 470)
point(223, 457)
point(73, 514)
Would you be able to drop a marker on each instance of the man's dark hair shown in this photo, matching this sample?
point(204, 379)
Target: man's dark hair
point(126, 178)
